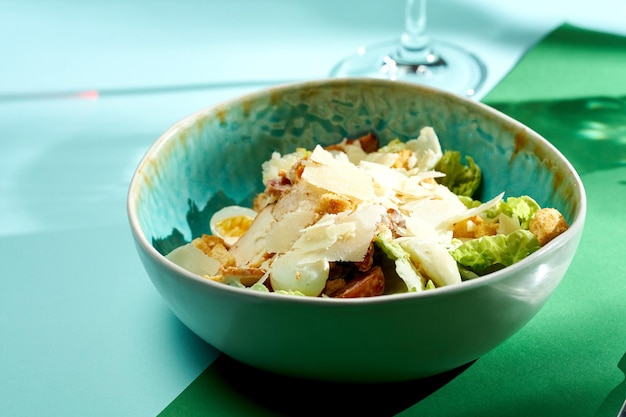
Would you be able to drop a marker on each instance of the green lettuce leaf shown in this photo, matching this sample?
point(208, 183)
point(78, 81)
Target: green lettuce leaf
point(482, 254)
point(404, 267)
point(523, 208)
point(284, 292)
point(395, 145)
point(469, 202)
point(259, 287)
point(461, 179)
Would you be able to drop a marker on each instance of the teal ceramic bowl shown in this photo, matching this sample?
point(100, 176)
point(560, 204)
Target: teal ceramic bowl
point(212, 158)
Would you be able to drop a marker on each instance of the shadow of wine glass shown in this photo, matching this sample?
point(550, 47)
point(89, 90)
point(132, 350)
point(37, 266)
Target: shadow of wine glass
point(589, 131)
point(242, 390)
point(617, 397)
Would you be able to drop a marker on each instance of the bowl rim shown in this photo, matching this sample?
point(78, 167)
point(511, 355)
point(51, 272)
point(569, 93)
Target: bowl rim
point(575, 228)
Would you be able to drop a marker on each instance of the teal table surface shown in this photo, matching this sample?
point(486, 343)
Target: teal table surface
point(86, 88)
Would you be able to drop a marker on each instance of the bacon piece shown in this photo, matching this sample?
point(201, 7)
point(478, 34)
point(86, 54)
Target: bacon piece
point(333, 285)
point(369, 284)
point(367, 262)
point(369, 143)
point(277, 186)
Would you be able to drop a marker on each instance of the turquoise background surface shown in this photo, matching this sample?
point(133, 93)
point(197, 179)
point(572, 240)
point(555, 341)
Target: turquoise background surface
point(86, 88)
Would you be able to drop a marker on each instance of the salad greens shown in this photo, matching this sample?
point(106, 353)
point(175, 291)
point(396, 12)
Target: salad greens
point(487, 252)
point(355, 219)
point(461, 179)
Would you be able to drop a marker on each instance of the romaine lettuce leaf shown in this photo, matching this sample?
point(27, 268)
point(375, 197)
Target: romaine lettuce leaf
point(434, 260)
point(285, 292)
point(523, 208)
point(469, 202)
point(404, 268)
point(480, 254)
point(395, 145)
point(259, 287)
point(460, 179)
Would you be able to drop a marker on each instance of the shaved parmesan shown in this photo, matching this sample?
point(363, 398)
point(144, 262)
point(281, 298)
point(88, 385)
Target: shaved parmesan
point(384, 177)
point(194, 260)
point(436, 210)
point(476, 210)
point(338, 175)
point(342, 237)
point(282, 234)
point(427, 149)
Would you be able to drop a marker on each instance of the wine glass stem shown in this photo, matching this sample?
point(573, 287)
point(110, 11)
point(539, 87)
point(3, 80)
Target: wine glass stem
point(415, 46)
point(414, 37)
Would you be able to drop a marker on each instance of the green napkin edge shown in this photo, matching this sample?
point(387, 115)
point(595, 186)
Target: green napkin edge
point(583, 63)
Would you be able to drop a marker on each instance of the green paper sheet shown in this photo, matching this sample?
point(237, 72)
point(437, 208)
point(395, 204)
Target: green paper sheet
point(568, 63)
point(570, 360)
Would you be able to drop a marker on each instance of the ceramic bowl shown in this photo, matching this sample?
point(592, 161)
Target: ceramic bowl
point(212, 158)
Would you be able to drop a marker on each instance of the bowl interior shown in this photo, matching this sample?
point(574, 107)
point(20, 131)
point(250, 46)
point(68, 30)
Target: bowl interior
point(213, 158)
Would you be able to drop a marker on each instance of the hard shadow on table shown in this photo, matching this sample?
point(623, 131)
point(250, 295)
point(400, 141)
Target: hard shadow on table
point(590, 131)
point(617, 397)
point(228, 387)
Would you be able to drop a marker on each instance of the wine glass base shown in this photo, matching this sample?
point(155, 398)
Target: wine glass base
point(448, 67)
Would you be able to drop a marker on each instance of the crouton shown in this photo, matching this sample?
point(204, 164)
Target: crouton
point(331, 203)
point(546, 224)
point(247, 276)
point(474, 227)
point(213, 246)
point(404, 159)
